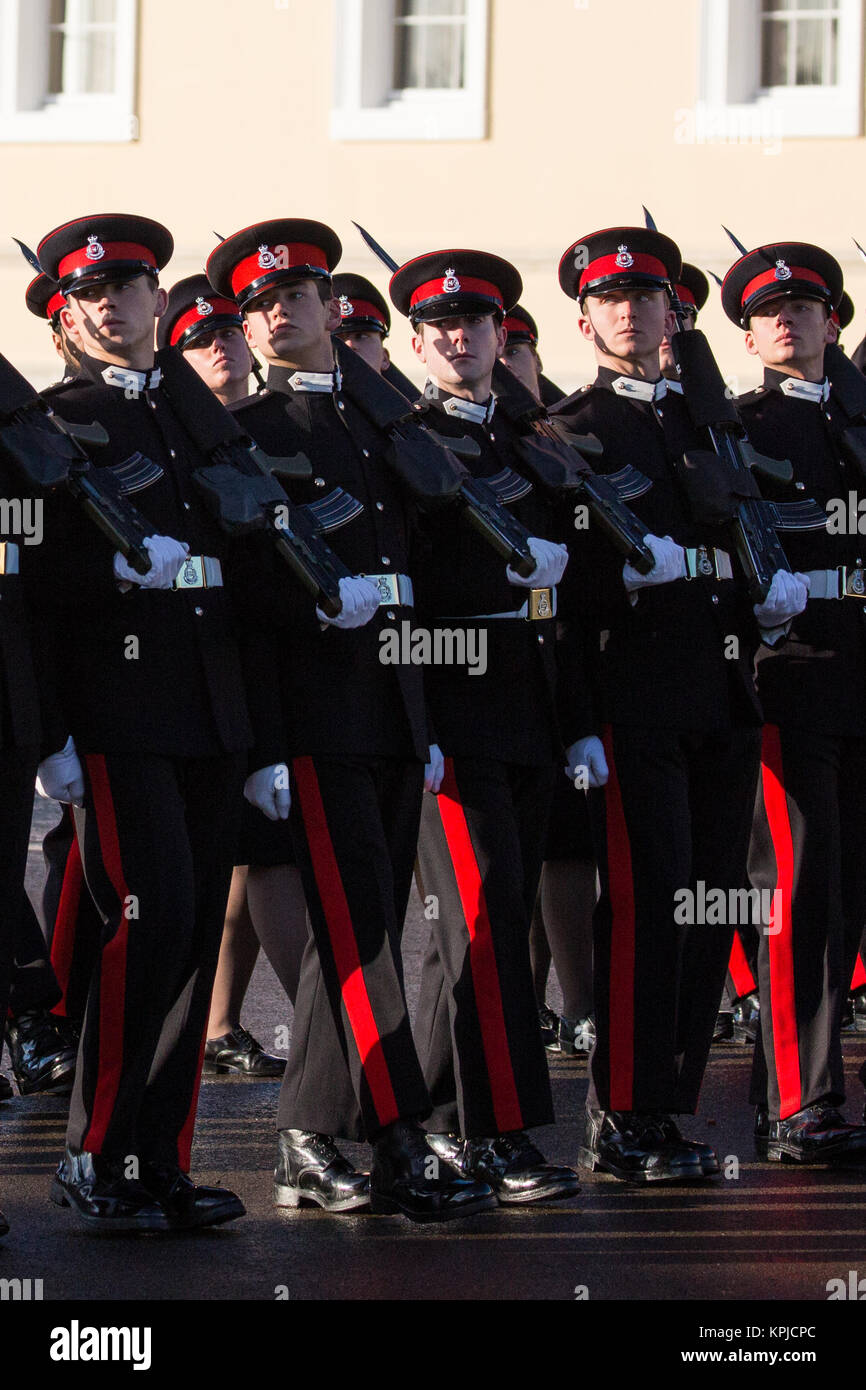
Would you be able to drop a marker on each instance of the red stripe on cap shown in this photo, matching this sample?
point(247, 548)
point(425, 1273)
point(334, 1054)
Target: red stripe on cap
point(433, 289)
point(608, 265)
point(286, 257)
point(783, 1012)
point(193, 317)
point(518, 326)
point(55, 303)
point(769, 277)
point(622, 940)
point(114, 251)
point(685, 296)
point(362, 309)
point(344, 945)
point(112, 970)
point(739, 969)
point(482, 957)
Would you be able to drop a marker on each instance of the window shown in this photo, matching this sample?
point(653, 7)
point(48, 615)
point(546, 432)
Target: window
point(410, 70)
point(790, 67)
point(67, 70)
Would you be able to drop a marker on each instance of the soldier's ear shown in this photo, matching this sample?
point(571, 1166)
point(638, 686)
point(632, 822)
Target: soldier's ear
point(386, 359)
point(161, 303)
point(585, 326)
point(67, 320)
point(831, 332)
point(248, 333)
point(334, 317)
point(501, 339)
point(751, 345)
point(418, 347)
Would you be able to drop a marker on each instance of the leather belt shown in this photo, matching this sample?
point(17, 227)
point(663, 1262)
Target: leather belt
point(540, 604)
point(9, 556)
point(845, 581)
point(199, 572)
point(706, 562)
point(394, 589)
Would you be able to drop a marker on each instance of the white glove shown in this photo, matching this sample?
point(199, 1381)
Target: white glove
point(787, 597)
point(587, 757)
point(670, 560)
point(360, 599)
point(550, 563)
point(166, 557)
point(434, 770)
point(268, 789)
point(60, 778)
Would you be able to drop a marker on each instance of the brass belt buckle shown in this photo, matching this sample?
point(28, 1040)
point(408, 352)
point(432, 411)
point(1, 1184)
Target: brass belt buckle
point(704, 565)
point(540, 604)
point(387, 584)
point(852, 582)
point(191, 574)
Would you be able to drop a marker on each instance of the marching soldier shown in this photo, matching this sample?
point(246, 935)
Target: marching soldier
point(812, 795)
point(153, 671)
point(672, 744)
point(365, 323)
point(522, 356)
point(357, 729)
point(482, 831)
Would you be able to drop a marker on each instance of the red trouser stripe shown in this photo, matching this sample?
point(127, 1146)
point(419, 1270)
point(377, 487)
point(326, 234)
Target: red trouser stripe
point(858, 979)
point(783, 1010)
point(739, 969)
point(63, 938)
point(482, 956)
point(344, 947)
point(622, 941)
point(112, 971)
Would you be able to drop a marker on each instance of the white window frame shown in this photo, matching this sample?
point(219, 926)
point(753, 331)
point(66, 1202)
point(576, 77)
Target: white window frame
point(27, 117)
point(730, 78)
point(365, 107)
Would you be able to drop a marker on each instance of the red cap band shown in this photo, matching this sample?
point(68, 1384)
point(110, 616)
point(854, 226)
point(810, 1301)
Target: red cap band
point(55, 304)
point(435, 289)
point(609, 265)
point(834, 318)
point(685, 296)
point(362, 309)
point(769, 277)
point(283, 257)
point(193, 317)
point(109, 251)
point(518, 326)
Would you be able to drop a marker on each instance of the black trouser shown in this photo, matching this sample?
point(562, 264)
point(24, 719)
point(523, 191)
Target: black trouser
point(675, 813)
point(355, 827)
point(807, 842)
point(17, 776)
point(479, 856)
point(157, 839)
point(34, 983)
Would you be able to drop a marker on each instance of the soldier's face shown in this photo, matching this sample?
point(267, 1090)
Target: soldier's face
point(523, 361)
point(460, 351)
point(289, 321)
point(370, 345)
point(220, 357)
point(114, 319)
point(784, 331)
point(628, 323)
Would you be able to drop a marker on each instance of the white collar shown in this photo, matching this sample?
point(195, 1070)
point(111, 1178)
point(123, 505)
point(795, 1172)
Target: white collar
point(817, 391)
point(640, 390)
point(480, 414)
point(316, 381)
point(129, 380)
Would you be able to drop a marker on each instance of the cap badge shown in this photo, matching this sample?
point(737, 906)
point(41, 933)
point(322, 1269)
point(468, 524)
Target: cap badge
point(624, 258)
point(782, 271)
point(450, 285)
point(204, 308)
point(346, 307)
point(95, 250)
point(267, 259)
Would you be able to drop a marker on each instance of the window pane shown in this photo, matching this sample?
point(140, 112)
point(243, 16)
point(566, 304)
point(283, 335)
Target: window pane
point(774, 66)
point(425, 8)
point(816, 52)
point(99, 62)
point(428, 55)
point(102, 11)
point(56, 16)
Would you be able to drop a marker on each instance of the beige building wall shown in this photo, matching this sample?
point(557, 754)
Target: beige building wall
point(589, 117)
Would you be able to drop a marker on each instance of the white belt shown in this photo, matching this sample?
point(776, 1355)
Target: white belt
point(8, 557)
point(842, 582)
point(706, 562)
point(199, 572)
point(541, 604)
point(394, 589)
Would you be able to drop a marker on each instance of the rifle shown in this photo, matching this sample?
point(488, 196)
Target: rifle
point(849, 388)
point(48, 452)
point(241, 488)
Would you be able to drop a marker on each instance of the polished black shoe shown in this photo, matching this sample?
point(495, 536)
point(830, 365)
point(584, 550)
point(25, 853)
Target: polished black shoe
point(633, 1148)
point(409, 1178)
point(705, 1152)
point(549, 1024)
point(105, 1200)
point(817, 1134)
point(42, 1054)
point(516, 1170)
point(450, 1148)
point(576, 1036)
point(747, 1018)
point(310, 1168)
point(238, 1052)
point(5, 1088)
point(724, 1029)
point(189, 1205)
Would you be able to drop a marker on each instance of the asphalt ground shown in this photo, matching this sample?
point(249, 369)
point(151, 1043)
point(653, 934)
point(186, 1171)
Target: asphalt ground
point(760, 1232)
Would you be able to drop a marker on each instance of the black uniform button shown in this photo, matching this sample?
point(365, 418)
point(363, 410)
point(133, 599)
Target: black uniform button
point(385, 560)
point(320, 482)
point(366, 453)
point(390, 616)
point(380, 506)
point(186, 506)
point(340, 405)
point(173, 453)
point(801, 487)
point(199, 612)
point(540, 640)
point(715, 598)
